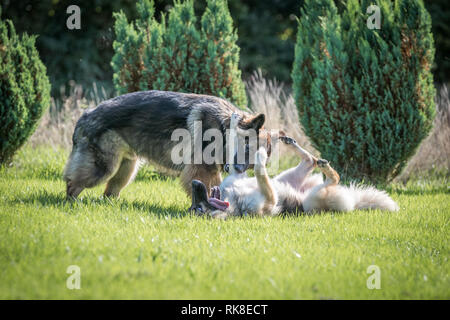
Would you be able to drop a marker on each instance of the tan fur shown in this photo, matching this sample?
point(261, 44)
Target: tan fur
point(331, 174)
point(126, 173)
point(209, 176)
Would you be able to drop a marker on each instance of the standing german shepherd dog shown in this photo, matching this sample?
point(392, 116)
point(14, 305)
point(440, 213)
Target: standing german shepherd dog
point(109, 139)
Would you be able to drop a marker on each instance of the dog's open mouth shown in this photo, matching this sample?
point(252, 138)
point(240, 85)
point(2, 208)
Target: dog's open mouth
point(201, 201)
point(219, 204)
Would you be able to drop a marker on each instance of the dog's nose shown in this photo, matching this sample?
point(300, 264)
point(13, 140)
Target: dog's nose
point(240, 168)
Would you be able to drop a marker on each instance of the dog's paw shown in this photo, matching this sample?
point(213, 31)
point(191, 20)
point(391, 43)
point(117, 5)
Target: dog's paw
point(234, 120)
point(287, 140)
point(322, 163)
point(261, 157)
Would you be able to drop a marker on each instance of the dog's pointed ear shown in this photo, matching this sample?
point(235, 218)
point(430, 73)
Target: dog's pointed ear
point(275, 134)
point(199, 193)
point(255, 122)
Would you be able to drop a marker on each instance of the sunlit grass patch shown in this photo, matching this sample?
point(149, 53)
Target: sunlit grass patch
point(146, 244)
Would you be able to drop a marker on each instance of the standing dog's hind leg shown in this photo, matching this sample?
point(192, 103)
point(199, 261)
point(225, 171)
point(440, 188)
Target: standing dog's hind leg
point(127, 171)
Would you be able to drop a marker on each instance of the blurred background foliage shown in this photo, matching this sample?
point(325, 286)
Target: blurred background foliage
point(266, 29)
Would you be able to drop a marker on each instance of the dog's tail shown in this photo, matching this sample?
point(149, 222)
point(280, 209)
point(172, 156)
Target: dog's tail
point(371, 198)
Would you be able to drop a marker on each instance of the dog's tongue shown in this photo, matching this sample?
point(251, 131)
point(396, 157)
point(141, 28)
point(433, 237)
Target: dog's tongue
point(219, 204)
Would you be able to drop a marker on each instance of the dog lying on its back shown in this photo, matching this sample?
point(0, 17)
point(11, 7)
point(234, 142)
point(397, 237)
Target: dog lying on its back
point(108, 140)
point(294, 190)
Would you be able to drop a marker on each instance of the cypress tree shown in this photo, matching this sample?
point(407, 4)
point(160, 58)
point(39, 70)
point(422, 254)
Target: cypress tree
point(365, 96)
point(178, 53)
point(24, 89)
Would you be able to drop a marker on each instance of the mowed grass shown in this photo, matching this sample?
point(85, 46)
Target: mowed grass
point(146, 246)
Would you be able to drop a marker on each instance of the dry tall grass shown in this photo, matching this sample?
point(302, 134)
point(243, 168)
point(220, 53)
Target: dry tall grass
point(266, 96)
point(434, 152)
point(269, 97)
point(57, 125)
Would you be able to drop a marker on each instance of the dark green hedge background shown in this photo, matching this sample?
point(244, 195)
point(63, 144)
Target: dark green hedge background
point(266, 30)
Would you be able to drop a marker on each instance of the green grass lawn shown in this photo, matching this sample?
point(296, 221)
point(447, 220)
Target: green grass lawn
point(146, 246)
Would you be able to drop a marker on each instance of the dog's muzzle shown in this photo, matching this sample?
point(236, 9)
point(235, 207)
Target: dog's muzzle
point(201, 203)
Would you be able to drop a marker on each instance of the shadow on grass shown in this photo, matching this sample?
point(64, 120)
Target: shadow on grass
point(59, 200)
point(147, 174)
point(302, 214)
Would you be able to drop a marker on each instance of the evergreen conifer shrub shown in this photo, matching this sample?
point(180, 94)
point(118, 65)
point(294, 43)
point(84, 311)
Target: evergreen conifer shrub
point(179, 53)
point(24, 89)
point(365, 96)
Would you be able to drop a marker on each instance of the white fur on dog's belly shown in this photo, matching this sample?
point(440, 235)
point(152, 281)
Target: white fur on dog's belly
point(243, 195)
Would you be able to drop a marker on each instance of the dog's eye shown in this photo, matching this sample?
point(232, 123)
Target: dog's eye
point(200, 209)
point(226, 167)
